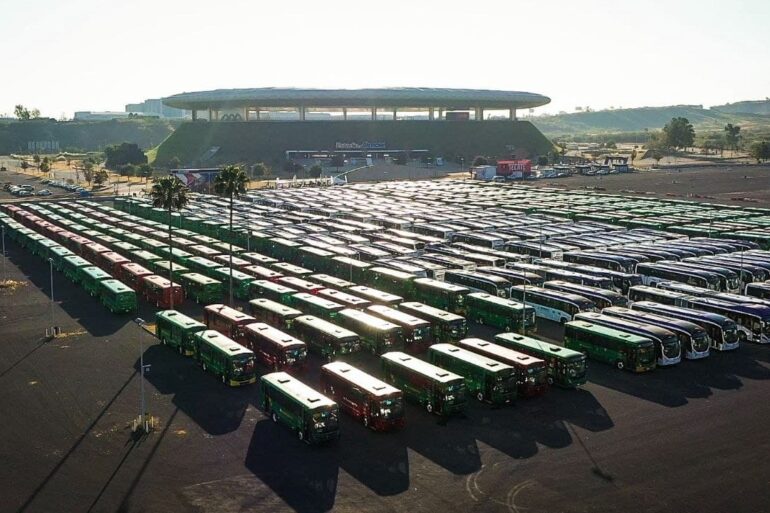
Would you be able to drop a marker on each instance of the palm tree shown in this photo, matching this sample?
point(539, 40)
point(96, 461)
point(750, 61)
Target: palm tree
point(169, 193)
point(231, 183)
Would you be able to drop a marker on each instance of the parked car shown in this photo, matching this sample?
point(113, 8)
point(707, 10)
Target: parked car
point(43, 192)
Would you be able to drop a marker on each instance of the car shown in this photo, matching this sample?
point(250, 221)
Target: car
point(25, 192)
point(43, 192)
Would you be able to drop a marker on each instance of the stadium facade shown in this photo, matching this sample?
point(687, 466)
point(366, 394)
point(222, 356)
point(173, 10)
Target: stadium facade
point(271, 124)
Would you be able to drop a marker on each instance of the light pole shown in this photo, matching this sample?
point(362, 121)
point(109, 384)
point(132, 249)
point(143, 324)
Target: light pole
point(5, 274)
point(142, 414)
point(53, 326)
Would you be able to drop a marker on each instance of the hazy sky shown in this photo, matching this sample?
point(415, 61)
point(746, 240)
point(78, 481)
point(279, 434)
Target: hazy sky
point(66, 55)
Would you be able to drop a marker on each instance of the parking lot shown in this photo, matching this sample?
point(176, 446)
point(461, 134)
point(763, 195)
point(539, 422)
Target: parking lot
point(690, 438)
point(11, 179)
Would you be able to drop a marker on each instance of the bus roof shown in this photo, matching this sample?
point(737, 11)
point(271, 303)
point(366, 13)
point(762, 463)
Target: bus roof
point(332, 280)
point(483, 296)
point(361, 379)
point(319, 301)
point(540, 345)
point(116, 286)
point(274, 306)
point(468, 356)
point(200, 278)
point(433, 312)
point(159, 281)
point(179, 319)
point(275, 287)
point(500, 351)
point(325, 326)
point(393, 273)
point(609, 332)
point(273, 334)
point(681, 310)
point(368, 319)
point(95, 272)
point(344, 297)
point(451, 287)
point(398, 316)
point(426, 369)
point(376, 294)
point(229, 313)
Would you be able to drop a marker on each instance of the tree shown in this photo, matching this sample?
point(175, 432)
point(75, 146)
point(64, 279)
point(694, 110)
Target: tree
point(611, 145)
point(170, 194)
point(542, 160)
point(145, 171)
point(45, 165)
point(480, 161)
point(656, 155)
point(337, 161)
point(231, 183)
point(633, 155)
point(100, 177)
point(760, 151)
point(732, 136)
point(315, 171)
point(24, 165)
point(260, 169)
point(88, 170)
point(24, 114)
point(679, 133)
point(36, 160)
point(127, 170)
point(124, 153)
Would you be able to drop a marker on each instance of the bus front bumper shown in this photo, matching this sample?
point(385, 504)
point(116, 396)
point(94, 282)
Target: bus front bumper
point(240, 383)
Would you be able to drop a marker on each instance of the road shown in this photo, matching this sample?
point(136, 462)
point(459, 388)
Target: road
point(690, 438)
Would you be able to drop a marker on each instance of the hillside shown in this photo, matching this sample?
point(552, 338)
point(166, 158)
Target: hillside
point(83, 135)
point(637, 120)
point(747, 107)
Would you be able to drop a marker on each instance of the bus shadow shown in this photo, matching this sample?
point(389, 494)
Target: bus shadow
point(304, 477)
point(216, 408)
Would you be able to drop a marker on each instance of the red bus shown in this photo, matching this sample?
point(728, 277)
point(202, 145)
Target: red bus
point(238, 263)
point(300, 284)
point(112, 262)
point(376, 404)
point(228, 321)
point(273, 348)
point(531, 372)
point(78, 244)
point(92, 251)
point(417, 332)
point(132, 273)
point(262, 273)
point(158, 290)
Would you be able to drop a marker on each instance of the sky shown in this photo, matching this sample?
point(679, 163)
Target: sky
point(64, 56)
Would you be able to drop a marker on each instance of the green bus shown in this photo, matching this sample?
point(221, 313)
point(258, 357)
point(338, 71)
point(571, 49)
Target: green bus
point(377, 335)
point(178, 256)
point(325, 338)
point(608, 345)
point(441, 294)
point(144, 258)
point(435, 389)
point(316, 305)
point(349, 268)
point(71, 266)
point(273, 313)
point(223, 357)
point(416, 331)
point(90, 277)
point(200, 288)
point(491, 381)
point(566, 368)
point(390, 280)
point(162, 268)
point(176, 330)
point(270, 290)
point(349, 300)
point(203, 265)
point(378, 297)
point(331, 281)
point(499, 312)
point(58, 253)
point(313, 417)
point(241, 281)
point(317, 259)
point(446, 326)
point(117, 296)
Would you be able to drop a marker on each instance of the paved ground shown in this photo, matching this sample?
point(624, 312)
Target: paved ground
point(692, 438)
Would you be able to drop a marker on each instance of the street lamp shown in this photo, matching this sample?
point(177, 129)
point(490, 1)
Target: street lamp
point(5, 274)
point(53, 326)
point(142, 413)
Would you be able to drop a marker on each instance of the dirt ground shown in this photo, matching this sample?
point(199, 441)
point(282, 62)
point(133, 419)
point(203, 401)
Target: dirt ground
point(747, 185)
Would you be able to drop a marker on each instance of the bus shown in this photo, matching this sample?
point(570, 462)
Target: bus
point(228, 321)
point(535, 249)
point(378, 297)
point(613, 262)
point(566, 368)
point(435, 389)
point(416, 332)
point(501, 313)
point(349, 300)
point(722, 331)
point(621, 281)
point(201, 289)
point(445, 326)
point(440, 294)
point(117, 296)
point(163, 267)
point(655, 273)
point(89, 278)
point(273, 313)
point(602, 298)
point(349, 268)
point(619, 348)
point(693, 339)
point(273, 348)
point(658, 295)
point(331, 281)
point(161, 292)
point(753, 320)
point(531, 373)
point(479, 282)
point(758, 290)
point(313, 417)
point(402, 265)
point(300, 284)
point(691, 290)
point(241, 281)
point(325, 338)
point(550, 304)
point(176, 330)
point(514, 276)
point(112, 262)
point(288, 269)
point(479, 239)
point(728, 280)
point(270, 290)
point(261, 273)
point(71, 266)
point(490, 380)
point(668, 350)
point(376, 404)
point(223, 357)
point(317, 305)
point(390, 280)
point(377, 335)
point(131, 274)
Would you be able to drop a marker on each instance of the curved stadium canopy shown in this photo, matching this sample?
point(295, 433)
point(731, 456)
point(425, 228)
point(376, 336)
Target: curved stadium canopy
point(405, 97)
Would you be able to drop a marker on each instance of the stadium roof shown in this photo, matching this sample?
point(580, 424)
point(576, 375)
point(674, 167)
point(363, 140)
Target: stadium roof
point(407, 97)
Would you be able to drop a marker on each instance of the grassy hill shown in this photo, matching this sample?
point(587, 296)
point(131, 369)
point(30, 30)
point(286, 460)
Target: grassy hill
point(83, 135)
point(637, 120)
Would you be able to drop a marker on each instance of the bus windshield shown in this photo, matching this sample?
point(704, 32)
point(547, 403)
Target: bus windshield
point(645, 354)
point(670, 346)
point(324, 420)
point(575, 367)
point(458, 327)
point(700, 341)
point(454, 391)
point(243, 365)
point(537, 374)
point(295, 353)
point(390, 407)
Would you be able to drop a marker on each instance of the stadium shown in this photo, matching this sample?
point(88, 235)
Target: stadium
point(273, 125)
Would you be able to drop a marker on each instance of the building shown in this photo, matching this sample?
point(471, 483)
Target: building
point(271, 124)
point(155, 107)
point(88, 115)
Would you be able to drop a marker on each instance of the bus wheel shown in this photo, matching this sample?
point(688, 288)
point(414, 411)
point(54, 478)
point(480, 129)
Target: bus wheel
point(224, 379)
point(429, 408)
point(301, 435)
point(480, 396)
point(366, 420)
point(563, 320)
point(620, 365)
point(480, 321)
point(204, 366)
point(274, 416)
point(550, 380)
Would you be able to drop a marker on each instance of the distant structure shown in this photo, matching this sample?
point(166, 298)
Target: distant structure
point(89, 115)
point(155, 107)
